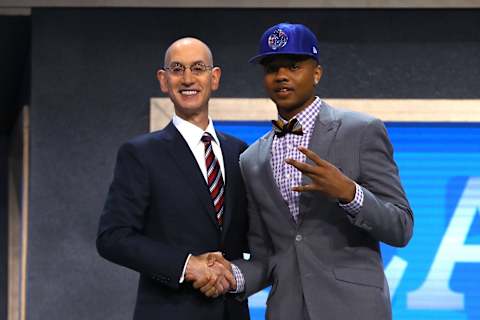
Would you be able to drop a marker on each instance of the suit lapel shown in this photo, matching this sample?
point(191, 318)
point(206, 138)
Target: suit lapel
point(266, 177)
point(229, 159)
point(323, 135)
point(182, 155)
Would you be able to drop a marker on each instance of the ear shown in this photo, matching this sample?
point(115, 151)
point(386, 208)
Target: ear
point(317, 74)
point(216, 74)
point(162, 79)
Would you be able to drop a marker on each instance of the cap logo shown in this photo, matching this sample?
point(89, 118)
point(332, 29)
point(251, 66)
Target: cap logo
point(314, 50)
point(278, 39)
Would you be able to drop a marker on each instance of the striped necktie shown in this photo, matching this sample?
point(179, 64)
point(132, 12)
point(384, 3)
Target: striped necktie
point(214, 178)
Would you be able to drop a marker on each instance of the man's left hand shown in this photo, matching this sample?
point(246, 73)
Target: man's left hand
point(326, 178)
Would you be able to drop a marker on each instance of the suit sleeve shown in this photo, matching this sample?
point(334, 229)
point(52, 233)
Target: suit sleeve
point(255, 271)
point(385, 213)
point(120, 237)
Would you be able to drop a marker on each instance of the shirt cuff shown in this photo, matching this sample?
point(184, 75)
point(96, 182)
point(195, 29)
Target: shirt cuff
point(182, 278)
point(237, 273)
point(354, 206)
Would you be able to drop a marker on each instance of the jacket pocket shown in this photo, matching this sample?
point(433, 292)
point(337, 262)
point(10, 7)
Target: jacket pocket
point(366, 277)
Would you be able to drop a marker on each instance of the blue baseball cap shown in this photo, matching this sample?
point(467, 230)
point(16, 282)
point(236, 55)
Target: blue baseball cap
point(287, 38)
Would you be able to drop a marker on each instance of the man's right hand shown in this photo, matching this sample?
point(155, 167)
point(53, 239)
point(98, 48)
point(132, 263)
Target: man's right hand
point(226, 281)
point(198, 271)
point(211, 273)
point(213, 257)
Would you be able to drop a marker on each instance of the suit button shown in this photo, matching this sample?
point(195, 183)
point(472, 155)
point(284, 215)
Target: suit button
point(298, 237)
point(366, 227)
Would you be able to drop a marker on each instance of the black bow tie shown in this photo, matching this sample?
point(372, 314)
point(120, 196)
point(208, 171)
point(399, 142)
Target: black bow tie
point(281, 128)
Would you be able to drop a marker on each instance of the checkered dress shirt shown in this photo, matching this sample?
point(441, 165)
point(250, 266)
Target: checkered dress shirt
point(287, 176)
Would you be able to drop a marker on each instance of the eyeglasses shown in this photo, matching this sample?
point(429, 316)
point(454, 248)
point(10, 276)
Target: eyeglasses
point(197, 69)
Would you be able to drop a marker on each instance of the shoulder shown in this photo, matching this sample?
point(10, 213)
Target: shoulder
point(149, 141)
point(253, 149)
point(360, 129)
point(352, 119)
point(143, 140)
point(232, 141)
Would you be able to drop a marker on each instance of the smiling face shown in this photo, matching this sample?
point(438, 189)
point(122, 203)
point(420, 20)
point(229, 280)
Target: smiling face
point(290, 82)
point(189, 92)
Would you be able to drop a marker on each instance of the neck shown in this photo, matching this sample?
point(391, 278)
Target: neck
point(289, 113)
point(200, 120)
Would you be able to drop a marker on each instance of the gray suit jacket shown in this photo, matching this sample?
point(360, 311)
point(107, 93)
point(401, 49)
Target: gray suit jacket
point(328, 265)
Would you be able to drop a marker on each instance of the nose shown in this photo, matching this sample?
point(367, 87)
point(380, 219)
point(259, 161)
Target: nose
point(187, 78)
point(281, 74)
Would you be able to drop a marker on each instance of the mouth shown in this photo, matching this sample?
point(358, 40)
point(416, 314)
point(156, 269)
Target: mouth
point(283, 91)
point(189, 92)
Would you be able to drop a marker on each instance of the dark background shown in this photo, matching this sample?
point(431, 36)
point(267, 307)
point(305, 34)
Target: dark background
point(14, 89)
point(93, 73)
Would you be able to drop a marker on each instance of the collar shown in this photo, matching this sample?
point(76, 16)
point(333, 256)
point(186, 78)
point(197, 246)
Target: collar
point(193, 134)
point(307, 117)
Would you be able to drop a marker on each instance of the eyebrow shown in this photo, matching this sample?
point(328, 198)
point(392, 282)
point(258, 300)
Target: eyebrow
point(193, 63)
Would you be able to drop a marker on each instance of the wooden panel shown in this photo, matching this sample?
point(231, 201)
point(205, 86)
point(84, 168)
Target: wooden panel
point(15, 11)
point(18, 193)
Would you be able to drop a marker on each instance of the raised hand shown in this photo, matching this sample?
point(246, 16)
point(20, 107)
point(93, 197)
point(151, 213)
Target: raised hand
point(326, 178)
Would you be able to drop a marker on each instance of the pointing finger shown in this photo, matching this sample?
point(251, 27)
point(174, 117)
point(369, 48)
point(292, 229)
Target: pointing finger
point(302, 166)
point(304, 188)
point(312, 156)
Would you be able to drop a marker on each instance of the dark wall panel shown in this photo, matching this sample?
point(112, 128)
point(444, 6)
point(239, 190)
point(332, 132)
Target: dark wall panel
point(93, 73)
point(14, 47)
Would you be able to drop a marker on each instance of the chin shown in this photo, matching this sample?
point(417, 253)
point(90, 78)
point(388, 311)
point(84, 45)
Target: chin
point(189, 104)
point(191, 108)
point(285, 105)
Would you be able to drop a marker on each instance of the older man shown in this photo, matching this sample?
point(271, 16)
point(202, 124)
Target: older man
point(177, 194)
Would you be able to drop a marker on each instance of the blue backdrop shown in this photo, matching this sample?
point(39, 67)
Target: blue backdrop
point(437, 276)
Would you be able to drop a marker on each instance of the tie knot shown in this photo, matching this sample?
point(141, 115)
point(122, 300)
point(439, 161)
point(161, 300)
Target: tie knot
point(281, 128)
point(206, 138)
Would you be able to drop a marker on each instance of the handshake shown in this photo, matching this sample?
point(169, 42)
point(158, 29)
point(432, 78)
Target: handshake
point(211, 273)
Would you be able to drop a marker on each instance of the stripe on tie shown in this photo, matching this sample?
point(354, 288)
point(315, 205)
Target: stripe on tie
point(214, 178)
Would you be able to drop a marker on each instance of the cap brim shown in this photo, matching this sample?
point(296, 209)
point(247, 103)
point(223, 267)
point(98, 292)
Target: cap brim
point(260, 57)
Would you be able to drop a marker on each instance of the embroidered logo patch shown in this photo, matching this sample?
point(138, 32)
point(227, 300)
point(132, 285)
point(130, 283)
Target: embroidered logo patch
point(278, 39)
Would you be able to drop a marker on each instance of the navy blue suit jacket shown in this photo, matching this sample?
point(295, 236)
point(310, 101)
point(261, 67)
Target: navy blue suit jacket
point(158, 210)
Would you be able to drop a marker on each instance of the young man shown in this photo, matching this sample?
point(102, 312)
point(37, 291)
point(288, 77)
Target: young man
point(323, 190)
point(177, 194)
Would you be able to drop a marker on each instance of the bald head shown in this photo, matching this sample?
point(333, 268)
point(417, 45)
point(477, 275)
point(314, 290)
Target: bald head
point(188, 44)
